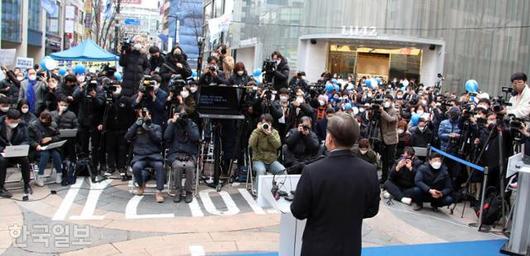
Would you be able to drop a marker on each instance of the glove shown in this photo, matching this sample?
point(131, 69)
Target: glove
point(139, 121)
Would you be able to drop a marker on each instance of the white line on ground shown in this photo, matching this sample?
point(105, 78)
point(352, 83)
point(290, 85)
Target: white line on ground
point(68, 200)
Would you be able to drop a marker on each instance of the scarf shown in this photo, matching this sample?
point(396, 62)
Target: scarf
point(30, 96)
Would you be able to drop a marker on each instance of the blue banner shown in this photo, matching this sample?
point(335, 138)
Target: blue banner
point(131, 21)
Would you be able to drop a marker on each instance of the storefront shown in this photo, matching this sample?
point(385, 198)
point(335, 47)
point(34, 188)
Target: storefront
point(371, 56)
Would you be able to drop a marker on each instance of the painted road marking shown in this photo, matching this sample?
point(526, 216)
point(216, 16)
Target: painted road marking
point(90, 205)
point(210, 207)
point(131, 213)
point(197, 250)
point(68, 200)
point(251, 202)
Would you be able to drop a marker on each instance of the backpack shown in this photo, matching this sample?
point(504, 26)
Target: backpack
point(492, 209)
point(82, 167)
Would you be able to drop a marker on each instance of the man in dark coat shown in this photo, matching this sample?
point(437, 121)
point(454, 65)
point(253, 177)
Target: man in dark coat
point(301, 146)
point(336, 193)
point(134, 62)
point(281, 73)
point(433, 184)
point(174, 64)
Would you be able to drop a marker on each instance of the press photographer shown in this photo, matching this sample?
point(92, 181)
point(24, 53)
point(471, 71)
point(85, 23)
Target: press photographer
point(156, 59)
point(226, 62)
point(146, 138)
point(182, 135)
point(211, 75)
point(134, 62)
point(301, 145)
point(174, 64)
point(520, 100)
point(388, 121)
point(153, 98)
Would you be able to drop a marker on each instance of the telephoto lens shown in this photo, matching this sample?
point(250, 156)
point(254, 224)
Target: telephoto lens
point(265, 126)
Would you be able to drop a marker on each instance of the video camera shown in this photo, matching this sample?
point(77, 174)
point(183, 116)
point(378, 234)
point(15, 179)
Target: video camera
point(126, 45)
point(268, 68)
point(147, 84)
point(499, 102)
point(176, 83)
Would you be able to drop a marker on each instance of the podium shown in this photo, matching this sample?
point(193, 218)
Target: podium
point(519, 241)
point(291, 229)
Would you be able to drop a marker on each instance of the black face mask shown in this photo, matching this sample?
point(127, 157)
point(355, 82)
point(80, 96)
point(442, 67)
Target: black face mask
point(46, 124)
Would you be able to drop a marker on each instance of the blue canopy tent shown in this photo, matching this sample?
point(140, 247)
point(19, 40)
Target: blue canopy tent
point(88, 51)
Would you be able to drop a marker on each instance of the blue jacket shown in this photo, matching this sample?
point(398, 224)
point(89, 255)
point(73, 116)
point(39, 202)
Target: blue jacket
point(427, 178)
point(447, 127)
point(147, 144)
point(181, 139)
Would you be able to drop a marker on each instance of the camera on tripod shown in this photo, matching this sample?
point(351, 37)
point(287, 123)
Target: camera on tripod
point(147, 85)
point(499, 103)
point(126, 44)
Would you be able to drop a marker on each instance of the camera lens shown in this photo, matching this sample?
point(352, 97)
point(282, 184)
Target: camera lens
point(265, 126)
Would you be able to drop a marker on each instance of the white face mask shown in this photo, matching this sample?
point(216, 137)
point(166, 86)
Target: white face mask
point(420, 112)
point(400, 131)
point(156, 86)
point(4, 109)
point(363, 151)
point(284, 98)
point(81, 78)
point(303, 77)
point(436, 165)
point(184, 94)
point(32, 77)
point(62, 108)
point(24, 110)
point(13, 126)
point(52, 85)
point(321, 102)
point(240, 73)
point(193, 89)
point(20, 78)
point(421, 128)
point(137, 46)
point(387, 104)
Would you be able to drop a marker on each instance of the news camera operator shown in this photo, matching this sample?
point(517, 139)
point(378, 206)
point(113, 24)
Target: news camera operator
point(91, 100)
point(240, 76)
point(134, 62)
point(301, 145)
point(156, 59)
point(277, 72)
point(211, 75)
point(119, 118)
point(152, 97)
point(182, 135)
point(174, 64)
point(146, 138)
point(520, 100)
point(13, 132)
point(10, 86)
point(388, 123)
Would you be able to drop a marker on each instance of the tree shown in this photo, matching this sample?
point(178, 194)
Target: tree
point(102, 23)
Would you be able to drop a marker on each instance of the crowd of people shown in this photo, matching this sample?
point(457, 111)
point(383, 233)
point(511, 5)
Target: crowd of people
point(148, 118)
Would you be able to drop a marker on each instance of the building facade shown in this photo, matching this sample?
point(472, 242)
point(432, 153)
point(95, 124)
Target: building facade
point(485, 40)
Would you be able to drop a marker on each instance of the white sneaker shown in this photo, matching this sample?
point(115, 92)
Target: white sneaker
point(406, 200)
point(39, 182)
point(58, 178)
point(386, 195)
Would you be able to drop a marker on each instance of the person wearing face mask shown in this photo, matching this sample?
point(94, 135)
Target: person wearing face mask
point(47, 95)
point(322, 124)
point(334, 227)
point(174, 64)
point(135, 64)
point(433, 184)
point(66, 119)
point(240, 76)
point(421, 135)
point(281, 72)
point(401, 181)
point(10, 85)
point(13, 132)
point(28, 90)
point(211, 74)
point(320, 111)
point(449, 131)
point(66, 91)
point(155, 101)
point(120, 118)
point(4, 105)
point(301, 146)
point(226, 62)
point(403, 136)
point(26, 116)
point(388, 123)
point(156, 60)
point(365, 152)
point(41, 133)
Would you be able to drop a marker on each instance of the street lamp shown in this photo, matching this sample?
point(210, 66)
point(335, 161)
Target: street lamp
point(177, 27)
point(200, 43)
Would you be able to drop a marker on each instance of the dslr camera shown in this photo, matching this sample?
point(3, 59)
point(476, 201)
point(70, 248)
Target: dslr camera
point(176, 83)
point(265, 126)
point(147, 85)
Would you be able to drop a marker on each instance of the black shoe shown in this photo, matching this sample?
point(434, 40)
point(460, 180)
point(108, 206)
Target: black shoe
point(435, 209)
point(417, 207)
point(189, 197)
point(64, 182)
point(125, 177)
point(5, 194)
point(178, 197)
point(28, 190)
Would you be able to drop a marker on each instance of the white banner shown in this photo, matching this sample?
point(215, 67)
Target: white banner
point(7, 57)
point(70, 12)
point(24, 63)
point(69, 26)
point(218, 25)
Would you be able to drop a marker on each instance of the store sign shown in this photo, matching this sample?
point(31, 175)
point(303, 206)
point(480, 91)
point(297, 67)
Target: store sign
point(359, 31)
point(24, 63)
point(7, 57)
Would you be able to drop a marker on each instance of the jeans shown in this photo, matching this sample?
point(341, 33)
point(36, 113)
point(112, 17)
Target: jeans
point(189, 168)
point(141, 175)
point(260, 168)
point(45, 157)
point(419, 197)
point(396, 191)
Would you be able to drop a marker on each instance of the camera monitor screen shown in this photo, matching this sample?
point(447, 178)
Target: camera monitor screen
point(219, 98)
